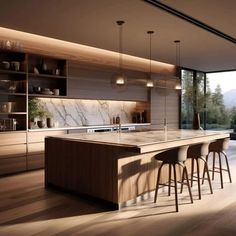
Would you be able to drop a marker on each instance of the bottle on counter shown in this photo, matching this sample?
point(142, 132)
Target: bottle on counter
point(118, 119)
point(113, 120)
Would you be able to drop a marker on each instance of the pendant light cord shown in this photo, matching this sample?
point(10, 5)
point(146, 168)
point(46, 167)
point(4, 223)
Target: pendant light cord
point(120, 23)
point(177, 54)
point(150, 53)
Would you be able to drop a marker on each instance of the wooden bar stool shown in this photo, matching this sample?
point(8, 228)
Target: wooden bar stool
point(197, 153)
point(173, 157)
point(219, 147)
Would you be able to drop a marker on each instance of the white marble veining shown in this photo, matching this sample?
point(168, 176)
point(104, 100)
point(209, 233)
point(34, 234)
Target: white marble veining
point(139, 139)
point(79, 112)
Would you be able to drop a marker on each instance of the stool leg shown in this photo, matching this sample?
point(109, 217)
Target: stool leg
point(198, 180)
point(208, 175)
point(213, 166)
point(182, 181)
point(204, 169)
point(189, 188)
point(157, 184)
point(221, 175)
point(227, 164)
point(192, 170)
point(176, 193)
point(169, 187)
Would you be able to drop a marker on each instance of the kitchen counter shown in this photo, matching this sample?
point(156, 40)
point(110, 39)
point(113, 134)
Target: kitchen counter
point(115, 167)
point(88, 127)
point(145, 141)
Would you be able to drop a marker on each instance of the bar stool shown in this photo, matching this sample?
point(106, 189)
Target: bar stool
point(219, 147)
point(196, 153)
point(173, 157)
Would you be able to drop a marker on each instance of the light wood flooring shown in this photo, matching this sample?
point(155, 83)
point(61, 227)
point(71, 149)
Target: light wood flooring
point(27, 208)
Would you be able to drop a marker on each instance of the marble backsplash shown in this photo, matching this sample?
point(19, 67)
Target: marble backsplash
point(77, 112)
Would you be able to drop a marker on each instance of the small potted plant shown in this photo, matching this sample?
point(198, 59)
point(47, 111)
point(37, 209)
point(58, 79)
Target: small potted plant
point(36, 110)
point(33, 109)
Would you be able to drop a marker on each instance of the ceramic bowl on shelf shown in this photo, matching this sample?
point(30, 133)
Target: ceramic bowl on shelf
point(5, 65)
point(46, 92)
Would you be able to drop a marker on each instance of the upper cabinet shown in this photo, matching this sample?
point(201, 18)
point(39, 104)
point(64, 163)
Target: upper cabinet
point(47, 77)
point(13, 79)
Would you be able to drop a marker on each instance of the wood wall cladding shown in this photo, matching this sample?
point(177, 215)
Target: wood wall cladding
point(32, 43)
point(98, 83)
point(158, 108)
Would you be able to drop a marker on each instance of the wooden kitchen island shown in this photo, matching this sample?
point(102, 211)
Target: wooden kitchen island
point(115, 167)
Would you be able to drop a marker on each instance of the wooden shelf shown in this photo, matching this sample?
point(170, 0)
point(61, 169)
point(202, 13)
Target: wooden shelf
point(12, 72)
point(12, 94)
point(13, 113)
point(46, 96)
point(47, 76)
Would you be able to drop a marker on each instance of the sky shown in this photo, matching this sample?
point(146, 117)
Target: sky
point(226, 80)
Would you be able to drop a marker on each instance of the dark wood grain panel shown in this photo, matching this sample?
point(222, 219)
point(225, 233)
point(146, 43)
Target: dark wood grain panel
point(12, 165)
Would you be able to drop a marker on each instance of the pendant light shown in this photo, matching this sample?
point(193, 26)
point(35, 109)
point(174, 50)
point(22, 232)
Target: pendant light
point(120, 79)
point(178, 63)
point(150, 82)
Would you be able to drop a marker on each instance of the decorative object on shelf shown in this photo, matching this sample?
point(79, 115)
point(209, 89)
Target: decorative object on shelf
point(37, 89)
point(120, 79)
point(150, 82)
point(35, 70)
point(8, 124)
point(57, 71)
point(10, 45)
point(50, 123)
point(7, 107)
point(56, 92)
point(46, 91)
point(5, 65)
point(36, 110)
point(15, 65)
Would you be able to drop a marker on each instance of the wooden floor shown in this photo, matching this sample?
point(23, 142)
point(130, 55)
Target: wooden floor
point(26, 208)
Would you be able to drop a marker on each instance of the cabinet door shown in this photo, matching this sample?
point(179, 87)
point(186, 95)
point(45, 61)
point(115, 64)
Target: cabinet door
point(35, 137)
point(12, 151)
point(35, 161)
point(12, 138)
point(12, 165)
point(35, 156)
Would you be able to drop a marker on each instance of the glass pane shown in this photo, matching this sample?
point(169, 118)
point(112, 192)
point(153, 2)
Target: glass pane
point(221, 100)
point(187, 99)
point(200, 97)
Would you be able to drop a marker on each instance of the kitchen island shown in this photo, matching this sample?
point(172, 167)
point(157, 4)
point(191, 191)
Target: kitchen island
point(115, 167)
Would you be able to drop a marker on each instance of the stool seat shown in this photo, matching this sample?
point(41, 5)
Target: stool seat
point(173, 157)
point(197, 153)
point(219, 147)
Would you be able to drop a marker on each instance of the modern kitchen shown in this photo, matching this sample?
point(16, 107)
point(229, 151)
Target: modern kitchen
point(100, 132)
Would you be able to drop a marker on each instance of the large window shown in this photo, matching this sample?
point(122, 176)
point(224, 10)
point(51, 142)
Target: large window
point(187, 99)
point(221, 102)
point(212, 96)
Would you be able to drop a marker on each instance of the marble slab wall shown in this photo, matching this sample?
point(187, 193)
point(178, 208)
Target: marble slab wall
point(77, 112)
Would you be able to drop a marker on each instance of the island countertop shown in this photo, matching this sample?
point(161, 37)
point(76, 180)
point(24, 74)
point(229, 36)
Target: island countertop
point(146, 141)
point(115, 167)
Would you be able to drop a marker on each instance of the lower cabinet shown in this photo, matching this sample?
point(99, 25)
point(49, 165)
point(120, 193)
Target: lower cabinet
point(17, 155)
point(12, 152)
point(11, 165)
point(35, 154)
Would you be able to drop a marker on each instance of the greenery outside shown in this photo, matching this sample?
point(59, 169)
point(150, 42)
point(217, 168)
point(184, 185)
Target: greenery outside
point(212, 102)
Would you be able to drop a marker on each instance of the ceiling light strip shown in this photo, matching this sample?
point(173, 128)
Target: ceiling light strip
point(191, 20)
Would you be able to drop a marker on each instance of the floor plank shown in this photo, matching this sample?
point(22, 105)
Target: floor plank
point(27, 208)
